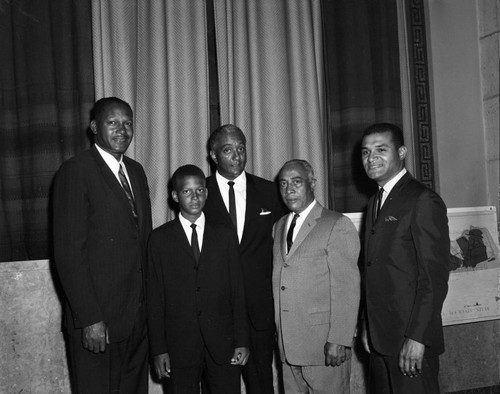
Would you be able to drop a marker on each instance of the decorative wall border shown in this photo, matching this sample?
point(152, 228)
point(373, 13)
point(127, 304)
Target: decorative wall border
point(420, 91)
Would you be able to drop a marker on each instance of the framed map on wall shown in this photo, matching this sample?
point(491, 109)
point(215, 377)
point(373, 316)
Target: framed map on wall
point(474, 284)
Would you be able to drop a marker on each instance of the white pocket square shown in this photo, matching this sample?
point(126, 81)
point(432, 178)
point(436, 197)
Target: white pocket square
point(264, 211)
point(390, 219)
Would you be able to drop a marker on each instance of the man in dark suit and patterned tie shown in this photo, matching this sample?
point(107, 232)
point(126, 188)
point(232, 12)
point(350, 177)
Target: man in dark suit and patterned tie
point(407, 250)
point(249, 205)
point(102, 219)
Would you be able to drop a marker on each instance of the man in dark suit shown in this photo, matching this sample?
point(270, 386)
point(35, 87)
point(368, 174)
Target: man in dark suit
point(316, 287)
point(196, 305)
point(407, 250)
point(102, 219)
point(251, 212)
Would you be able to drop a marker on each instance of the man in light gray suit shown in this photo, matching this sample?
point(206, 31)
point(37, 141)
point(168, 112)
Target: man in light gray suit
point(316, 287)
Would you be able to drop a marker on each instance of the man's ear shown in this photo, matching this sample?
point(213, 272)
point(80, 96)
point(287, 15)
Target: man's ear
point(402, 152)
point(175, 197)
point(213, 156)
point(93, 126)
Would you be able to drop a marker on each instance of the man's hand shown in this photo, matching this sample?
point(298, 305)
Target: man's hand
point(95, 337)
point(240, 356)
point(411, 357)
point(336, 354)
point(161, 364)
point(364, 336)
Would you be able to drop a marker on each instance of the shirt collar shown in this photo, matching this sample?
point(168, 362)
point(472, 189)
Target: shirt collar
point(306, 211)
point(390, 185)
point(110, 159)
point(240, 182)
point(200, 222)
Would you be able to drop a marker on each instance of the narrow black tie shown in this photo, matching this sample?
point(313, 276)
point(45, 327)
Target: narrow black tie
point(128, 192)
point(232, 204)
point(289, 235)
point(194, 243)
point(379, 202)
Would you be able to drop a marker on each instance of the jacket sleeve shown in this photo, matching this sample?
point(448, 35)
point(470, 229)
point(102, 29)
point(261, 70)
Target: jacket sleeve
point(155, 298)
point(430, 234)
point(343, 252)
point(71, 211)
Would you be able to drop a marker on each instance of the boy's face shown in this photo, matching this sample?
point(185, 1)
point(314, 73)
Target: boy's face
point(191, 195)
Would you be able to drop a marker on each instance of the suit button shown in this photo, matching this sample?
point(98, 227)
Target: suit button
point(199, 313)
point(283, 287)
point(373, 232)
point(369, 263)
point(198, 288)
point(195, 268)
point(285, 265)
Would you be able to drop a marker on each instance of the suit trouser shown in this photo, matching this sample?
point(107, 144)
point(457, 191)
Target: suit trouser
point(317, 379)
point(258, 372)
point(121, 368)
point(385, 376)
point(217, 378)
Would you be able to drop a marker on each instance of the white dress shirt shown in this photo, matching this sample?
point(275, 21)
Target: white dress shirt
point(300, 220)
point(240, 197)
point(114, 165)
point(390, 185)
point(200, 228)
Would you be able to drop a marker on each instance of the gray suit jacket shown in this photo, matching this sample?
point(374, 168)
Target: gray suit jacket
point(316, 286)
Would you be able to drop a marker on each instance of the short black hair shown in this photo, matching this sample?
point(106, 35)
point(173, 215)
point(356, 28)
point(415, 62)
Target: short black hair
point(103, 104)
point(224, 129)
point(185, 171)
point(395, 132)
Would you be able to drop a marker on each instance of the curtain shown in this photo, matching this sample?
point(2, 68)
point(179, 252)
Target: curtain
point(153, 54)
point(271, 81)
point(46, 92)
point(363, 87)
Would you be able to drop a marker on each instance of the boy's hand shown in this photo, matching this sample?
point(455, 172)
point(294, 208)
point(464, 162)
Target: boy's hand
point(240, 356)
point(162, 365)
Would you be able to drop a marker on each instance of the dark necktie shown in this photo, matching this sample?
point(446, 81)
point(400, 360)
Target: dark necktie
point(128, 192)
point(289, 235)
point(379, 203)
point(232, 204)
point(194, 243)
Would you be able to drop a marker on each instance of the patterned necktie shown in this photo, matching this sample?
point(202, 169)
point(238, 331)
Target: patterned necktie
point(232, 204)
point(379, 203)
point(194, 243)
point(128, 192)
point(289, 235)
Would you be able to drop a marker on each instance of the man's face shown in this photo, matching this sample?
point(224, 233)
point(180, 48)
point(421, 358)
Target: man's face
point(230, 154)
point(381, 159)
point(296, 189)
point(191, 195)
point(114, 130)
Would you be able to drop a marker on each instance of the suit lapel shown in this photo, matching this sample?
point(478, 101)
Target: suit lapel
point(393, 197)
point(306, 228)
point(182, 240)
point(111, 181)
point(252, 209)
point(216, 201)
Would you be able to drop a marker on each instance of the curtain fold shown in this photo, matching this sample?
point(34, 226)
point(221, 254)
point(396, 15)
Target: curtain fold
point(153, 54)
point(363, 87)
point(271, 81)
point(46, 92)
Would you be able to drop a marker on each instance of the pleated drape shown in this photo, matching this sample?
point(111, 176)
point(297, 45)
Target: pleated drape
point(153, 54)
point(271, 82)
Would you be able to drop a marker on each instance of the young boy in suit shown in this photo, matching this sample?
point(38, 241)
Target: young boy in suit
point(196, 309)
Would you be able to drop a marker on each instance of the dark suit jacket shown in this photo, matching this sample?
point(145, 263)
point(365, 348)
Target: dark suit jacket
point(184, 298)
point(99, 250)
point(406, 268)
point(256, 247)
